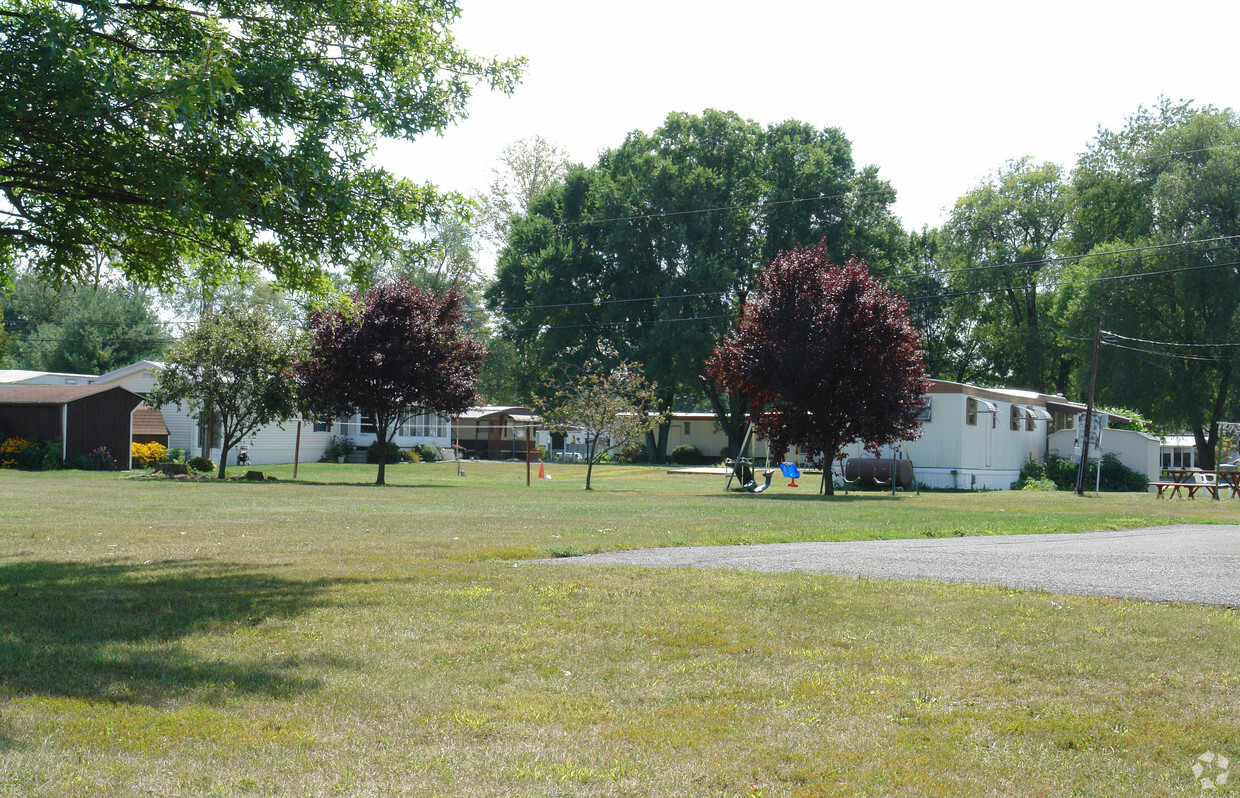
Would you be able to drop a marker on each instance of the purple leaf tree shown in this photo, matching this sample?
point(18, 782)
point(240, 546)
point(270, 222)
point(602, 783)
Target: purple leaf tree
point(398, 350)
point(825, 355)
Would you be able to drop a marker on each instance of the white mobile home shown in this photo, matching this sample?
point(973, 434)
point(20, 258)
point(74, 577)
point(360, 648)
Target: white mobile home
point(971, 437)
point(979, 438)
point(273, 443)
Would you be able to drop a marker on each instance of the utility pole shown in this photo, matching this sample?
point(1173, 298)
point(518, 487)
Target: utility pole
point(1089, 416)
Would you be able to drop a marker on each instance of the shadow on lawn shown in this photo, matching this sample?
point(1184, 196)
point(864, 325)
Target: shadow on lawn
point(811, 496)
point(112, 631)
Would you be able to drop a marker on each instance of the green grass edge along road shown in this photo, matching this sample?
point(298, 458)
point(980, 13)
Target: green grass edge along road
point(328, 637)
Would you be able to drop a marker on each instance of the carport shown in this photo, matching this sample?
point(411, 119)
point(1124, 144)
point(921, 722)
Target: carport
point(83, 417)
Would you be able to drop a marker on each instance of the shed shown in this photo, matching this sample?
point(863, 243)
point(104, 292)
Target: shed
point(83, 417)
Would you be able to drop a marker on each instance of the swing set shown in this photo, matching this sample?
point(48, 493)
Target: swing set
point(741, 469)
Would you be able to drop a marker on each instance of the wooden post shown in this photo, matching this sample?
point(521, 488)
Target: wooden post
point(529, 435)
point(1089, 418)
point(297, 449)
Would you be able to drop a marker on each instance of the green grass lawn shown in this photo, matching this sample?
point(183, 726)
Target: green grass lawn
point(329, 637)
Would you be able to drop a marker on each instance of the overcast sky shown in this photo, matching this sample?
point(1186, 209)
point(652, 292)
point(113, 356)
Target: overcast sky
point(936, 94)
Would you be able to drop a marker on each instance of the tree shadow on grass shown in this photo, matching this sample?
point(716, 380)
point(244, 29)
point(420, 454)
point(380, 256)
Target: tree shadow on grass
point(113, 631)
point(811, 496)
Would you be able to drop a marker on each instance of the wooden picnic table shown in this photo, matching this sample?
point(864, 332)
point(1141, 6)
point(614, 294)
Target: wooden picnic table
point(1193, 480)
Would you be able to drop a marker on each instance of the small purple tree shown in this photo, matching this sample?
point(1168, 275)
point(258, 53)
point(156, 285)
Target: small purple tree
point(825, 355)
point(396, 351)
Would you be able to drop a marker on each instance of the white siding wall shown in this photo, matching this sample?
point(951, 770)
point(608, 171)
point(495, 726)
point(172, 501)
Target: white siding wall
point(954, 454)
point(271, 444)
point(1136, 450)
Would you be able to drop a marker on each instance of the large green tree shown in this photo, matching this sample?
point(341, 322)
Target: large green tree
point(82, 330)
point(1001, 244)
point(216, 134)
point(647, 255)
point(1158, 219)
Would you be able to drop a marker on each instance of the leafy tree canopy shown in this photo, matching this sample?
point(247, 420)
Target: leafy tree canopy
point(397, 350)
point(82, 330)
point(524, 169)
point(1002, 243)
point(174, 135)
point(1157, 218)
point(234, 371)
point(613, 410)
point(646, 255)
point(826, 355)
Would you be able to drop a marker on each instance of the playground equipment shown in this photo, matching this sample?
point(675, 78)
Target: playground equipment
point(741, 469)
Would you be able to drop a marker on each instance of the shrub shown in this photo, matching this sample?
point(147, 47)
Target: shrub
point(13, 451)
point(686, 455)
point(202, 465)
point(97, 459)
point(372, 453)
point(32, 459)
point(429, 452)
point(1116, 476)
point(338, 446)
point(410, 456)
point(176, 455)
point(1033, 473)
point(52, 451)
point(148, 455)
point(81, 462)
point(635, 452)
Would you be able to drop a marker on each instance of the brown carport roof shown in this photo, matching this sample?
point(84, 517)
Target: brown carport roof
point(149, 421)
point(49, 394)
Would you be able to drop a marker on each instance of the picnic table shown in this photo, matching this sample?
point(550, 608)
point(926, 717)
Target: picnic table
point(1193, 480)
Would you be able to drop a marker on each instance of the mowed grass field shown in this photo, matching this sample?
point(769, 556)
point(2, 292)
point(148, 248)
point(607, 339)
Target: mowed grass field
point(326, 637)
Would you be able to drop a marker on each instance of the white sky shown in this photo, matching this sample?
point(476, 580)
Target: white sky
point(936, 94)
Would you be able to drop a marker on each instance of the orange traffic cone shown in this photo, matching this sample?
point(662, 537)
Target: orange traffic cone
point(542, 470)
point(793, 484)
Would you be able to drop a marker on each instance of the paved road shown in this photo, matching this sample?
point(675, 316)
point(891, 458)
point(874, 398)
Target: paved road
point(1190, 563)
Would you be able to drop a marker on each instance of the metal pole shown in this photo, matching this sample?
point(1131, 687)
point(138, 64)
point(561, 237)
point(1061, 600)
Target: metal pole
point(297, 449)
point(1089, 415)
point(529, 433)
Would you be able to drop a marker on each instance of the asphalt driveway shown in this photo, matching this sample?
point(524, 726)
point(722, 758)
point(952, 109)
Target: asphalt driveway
point(1189, 563)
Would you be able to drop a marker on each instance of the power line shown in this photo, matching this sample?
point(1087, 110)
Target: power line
point(605, 302)
point(1171, 355)
point(738, 207)
point(1161, 343)
point(625, 323)
point(908, 276)
point(1083, 281)
point(816, 198)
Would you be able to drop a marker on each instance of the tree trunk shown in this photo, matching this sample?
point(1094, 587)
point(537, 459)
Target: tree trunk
point(591, 448)
point(224, 458)
point(1205, 448)
point(828, 481)
point(382, 438)
point(732, 417)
